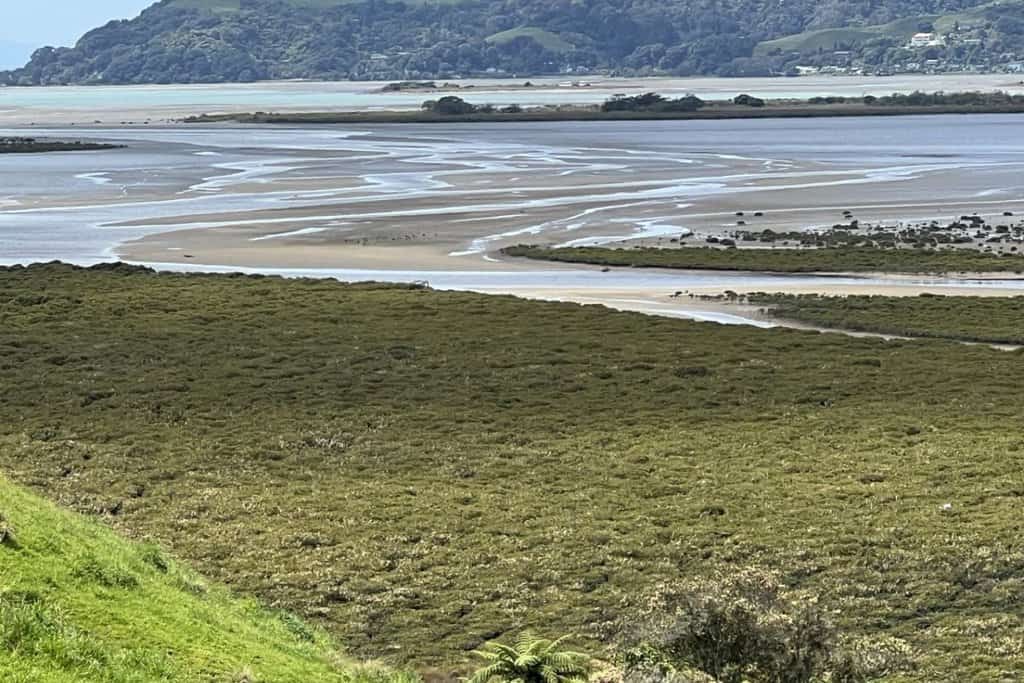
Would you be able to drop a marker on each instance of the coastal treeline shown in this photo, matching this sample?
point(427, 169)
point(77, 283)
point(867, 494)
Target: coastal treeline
point(928, 99)
point(652, 105)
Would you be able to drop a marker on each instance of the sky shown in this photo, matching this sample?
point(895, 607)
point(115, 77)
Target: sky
point(28, 25)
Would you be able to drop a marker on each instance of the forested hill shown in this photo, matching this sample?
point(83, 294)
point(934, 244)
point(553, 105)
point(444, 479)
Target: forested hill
point(242, 40)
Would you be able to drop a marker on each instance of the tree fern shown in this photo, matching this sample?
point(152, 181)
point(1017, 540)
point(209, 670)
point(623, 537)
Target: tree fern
point(531, 660)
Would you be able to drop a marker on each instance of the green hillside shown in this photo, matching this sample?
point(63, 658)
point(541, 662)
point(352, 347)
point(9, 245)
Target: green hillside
point(546, 39)
point(78, 603)
point(830, 38)
point(236, 5)
point(900, 30)
point(210, 41)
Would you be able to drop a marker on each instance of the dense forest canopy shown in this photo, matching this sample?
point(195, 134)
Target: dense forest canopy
point(243, 40)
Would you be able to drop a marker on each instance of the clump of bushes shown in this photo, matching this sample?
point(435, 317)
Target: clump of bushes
point(450, 105)
point(106, 574)
point(747, 627)
point(652, 102)
point(748, 101)
point(8, 539)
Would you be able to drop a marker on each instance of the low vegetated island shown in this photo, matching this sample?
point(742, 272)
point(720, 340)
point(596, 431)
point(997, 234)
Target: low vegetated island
point(21, 145)
point(383, 461)
point(972, 319)
point(780, 260)
point(433, 86)
point(452, 108)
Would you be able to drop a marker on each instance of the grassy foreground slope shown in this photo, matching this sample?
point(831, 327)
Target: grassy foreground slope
point(421, 471)
point(826, 260)
point(79, 603)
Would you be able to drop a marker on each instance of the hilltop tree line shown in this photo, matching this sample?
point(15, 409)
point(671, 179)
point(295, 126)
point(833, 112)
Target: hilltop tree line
point(382, 39)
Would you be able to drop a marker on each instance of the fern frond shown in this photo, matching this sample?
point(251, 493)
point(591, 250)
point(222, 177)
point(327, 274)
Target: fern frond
point(485, 674)
point(525, 641)
point(527, 661)
point(553, 645)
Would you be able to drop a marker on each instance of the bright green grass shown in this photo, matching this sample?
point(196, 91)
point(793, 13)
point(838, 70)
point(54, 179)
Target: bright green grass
point(422, 471)
point(995, 321)
point(783, 260)
point(546, 39)
point(77, 603)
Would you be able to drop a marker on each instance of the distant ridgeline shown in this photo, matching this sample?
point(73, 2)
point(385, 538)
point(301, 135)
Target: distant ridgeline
point(206, 41)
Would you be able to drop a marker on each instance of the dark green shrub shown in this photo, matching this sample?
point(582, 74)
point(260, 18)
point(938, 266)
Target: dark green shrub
point(8, 539)
point(746, 627)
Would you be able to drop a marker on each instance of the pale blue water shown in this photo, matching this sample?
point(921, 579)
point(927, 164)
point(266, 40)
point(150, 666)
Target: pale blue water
point(153, 100)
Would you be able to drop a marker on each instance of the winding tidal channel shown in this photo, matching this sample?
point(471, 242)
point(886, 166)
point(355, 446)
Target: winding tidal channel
point(436, 203)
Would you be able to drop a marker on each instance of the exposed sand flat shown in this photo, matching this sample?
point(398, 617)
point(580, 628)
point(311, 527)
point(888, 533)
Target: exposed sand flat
point(437, 203)
point(463, 220)
point(224, 247)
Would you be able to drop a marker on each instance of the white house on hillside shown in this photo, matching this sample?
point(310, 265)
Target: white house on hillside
point(925, 40)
